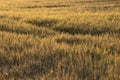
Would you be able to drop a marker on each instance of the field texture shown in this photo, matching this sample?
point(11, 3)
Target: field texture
point(59, 39)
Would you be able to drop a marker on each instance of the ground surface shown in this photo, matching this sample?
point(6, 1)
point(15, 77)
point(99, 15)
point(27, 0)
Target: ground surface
point(59, 39)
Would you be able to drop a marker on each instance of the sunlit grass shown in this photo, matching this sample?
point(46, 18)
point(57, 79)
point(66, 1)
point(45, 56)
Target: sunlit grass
point(59, 39)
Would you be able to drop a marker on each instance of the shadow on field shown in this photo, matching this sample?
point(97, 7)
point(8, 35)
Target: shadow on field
point(25, 29)
point(95, 1)
point(72, 28)
point(102, 8)
point(69, 40)
point(10, 17)
point(47, 6)
point(43, 23)
point(15, 18)
point(2, 16)
point(84, 31)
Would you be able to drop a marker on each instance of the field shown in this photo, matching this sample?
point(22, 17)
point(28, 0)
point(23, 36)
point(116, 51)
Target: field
point(59, 39)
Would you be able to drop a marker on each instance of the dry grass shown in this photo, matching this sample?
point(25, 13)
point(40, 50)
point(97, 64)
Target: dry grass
point(59, 39)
